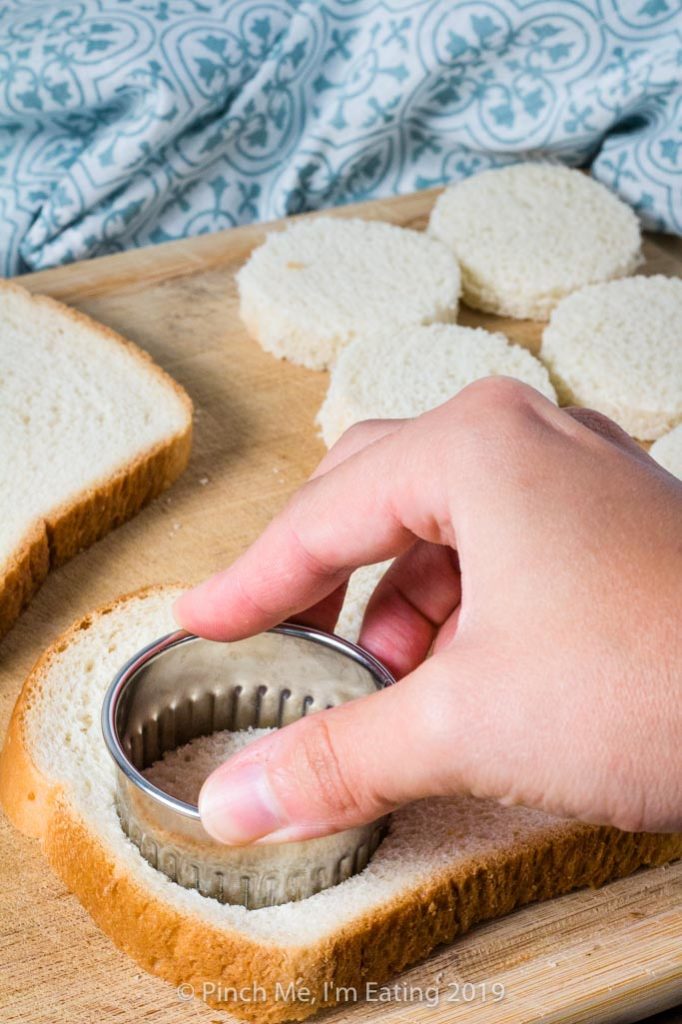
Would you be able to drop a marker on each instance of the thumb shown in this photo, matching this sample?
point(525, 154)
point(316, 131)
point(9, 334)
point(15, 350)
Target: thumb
point(337, 768)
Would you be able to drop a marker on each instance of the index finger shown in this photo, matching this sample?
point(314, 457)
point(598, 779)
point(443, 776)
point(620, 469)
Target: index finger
point(367, 508)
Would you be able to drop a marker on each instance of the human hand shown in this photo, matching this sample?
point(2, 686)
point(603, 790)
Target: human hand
point(538, 557)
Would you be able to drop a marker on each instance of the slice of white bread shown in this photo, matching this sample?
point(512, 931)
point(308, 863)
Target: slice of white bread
point(310, 289)
point(528, 234)
point(403, 373)
point(617, 348)
point(90, 429)
point(360, 588)
point(668, 451)
point(445, 864)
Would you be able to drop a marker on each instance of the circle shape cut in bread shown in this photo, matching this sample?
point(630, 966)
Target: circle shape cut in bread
point(529, 234)
point(667, 451)
point(405, 373)
point(58, 783)
point(312, 288)
point(617, 348)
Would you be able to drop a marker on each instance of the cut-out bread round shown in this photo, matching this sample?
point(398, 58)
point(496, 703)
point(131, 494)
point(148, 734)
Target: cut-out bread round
point(668, 451)
point(403, 373)
point(527, 235)
point(617, 347)
point(309, 290)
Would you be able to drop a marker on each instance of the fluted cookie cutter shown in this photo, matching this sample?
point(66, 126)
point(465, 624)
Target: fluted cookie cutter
point(181, 687)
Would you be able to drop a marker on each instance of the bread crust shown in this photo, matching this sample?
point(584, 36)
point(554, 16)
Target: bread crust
point(109, 502)
point(183, 949)
point(26, 795)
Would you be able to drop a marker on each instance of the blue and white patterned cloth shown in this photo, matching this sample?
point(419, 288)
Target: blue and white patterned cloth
point(127, 122)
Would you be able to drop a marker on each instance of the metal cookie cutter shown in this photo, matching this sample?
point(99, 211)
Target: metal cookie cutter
point(182, 687)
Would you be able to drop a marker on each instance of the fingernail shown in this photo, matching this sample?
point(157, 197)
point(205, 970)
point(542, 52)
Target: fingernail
point(237, 806)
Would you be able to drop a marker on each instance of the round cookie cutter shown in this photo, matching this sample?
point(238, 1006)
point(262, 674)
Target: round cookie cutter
point(181, 687)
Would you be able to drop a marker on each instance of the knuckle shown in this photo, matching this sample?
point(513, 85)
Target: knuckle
point(360, 429)
point(496, 420)
point(499, 397)
point(305, 541)
point(362, 433)
point(351, 438)
point(490, 408)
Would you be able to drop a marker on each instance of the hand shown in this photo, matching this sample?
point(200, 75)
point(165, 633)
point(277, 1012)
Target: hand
point(538, 558)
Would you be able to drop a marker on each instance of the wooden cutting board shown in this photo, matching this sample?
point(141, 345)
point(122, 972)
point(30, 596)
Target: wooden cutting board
point(615, 954)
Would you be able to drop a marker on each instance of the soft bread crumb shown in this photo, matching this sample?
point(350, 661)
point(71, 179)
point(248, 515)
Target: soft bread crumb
point(405, 373)
point(528, 234)
point(310, 289)
point(182, 772)
point(361, 586)
point(617, 348)
point(668, 451)
point(90, 429)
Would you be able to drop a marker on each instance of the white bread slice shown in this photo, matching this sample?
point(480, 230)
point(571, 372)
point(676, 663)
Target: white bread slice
point(617, 348)
point(310, 289)
point(668, 451)
point(445, 864)
point(360, 588)
point(528, 234)
point(403, 373)
point(90, 430)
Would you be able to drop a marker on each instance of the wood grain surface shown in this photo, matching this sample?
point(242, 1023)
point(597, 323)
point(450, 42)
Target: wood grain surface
point(615, 954)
